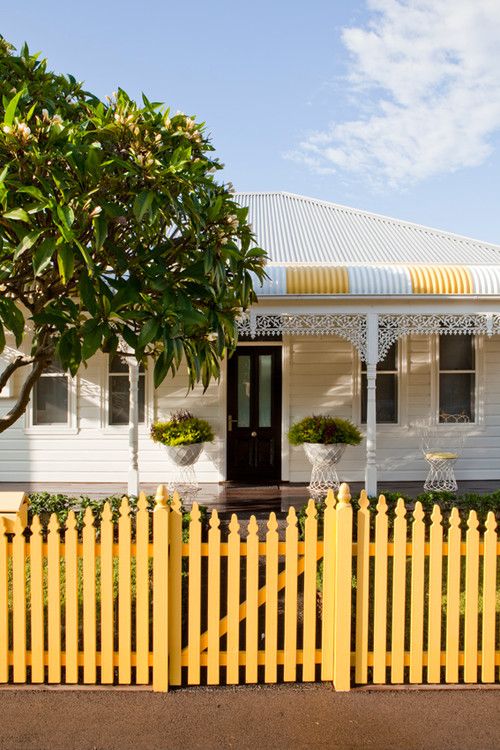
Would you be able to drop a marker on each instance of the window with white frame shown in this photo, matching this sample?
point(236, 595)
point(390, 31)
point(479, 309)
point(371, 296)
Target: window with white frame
point(387, 388)
point(51, 397)
point(457, 378)
point(119, 391)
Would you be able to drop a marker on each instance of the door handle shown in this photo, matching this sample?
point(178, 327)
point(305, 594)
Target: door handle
point(230, 421)
point(254, 434)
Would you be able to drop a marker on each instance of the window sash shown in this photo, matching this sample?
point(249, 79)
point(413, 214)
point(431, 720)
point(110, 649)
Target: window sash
point(118, 413)
point(467, 407)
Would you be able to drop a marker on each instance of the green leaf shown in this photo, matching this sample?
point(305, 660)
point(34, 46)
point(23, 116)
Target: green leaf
point(2, 338)
point(17, 214)
point(162, 366)
point(66, 262)
point(12, 318)
point(100, 231)
point(43, 255)
point(34, 192)
point(142, 203)
point(149, 333)
point(66, 215)
point(10, 110)
point(87, 293)
point(91, 339)
point(28, 241)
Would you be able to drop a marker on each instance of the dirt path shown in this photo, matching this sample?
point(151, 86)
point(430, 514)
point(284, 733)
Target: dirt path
point(285, 717)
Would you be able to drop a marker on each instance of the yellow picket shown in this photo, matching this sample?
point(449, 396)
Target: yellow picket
point(194, 597)
point(175, 591)
point(107, 618)
point(417, 594)
point(290, 645)
point(19, 602)
point(89, 603)
point(161, 515)
point(471, 598)
point(71, 594)
point(453, 597)
point(53, 599)
point(362, 588)
point(213, 649)
point(36, 587)
point(328, 592)
point(233, 602)
point(380, 595)
point(309, 630)
point(398, 594)
point(142, 591)
point(271, 619)
point(4, 604)
point(343, 590)
point(252, 598)
point(489, 600)
point(124, 595)
point(434, 608)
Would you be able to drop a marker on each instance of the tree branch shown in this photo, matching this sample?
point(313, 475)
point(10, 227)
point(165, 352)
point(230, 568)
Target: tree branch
point(22, 402)
point(11, 368)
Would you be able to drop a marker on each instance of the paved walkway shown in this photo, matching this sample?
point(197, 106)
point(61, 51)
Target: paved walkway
point(279, 718)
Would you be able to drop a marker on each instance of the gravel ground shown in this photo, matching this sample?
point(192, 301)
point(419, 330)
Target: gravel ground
point(297, 717)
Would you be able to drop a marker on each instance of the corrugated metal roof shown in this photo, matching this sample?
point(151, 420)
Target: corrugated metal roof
point(296, 229)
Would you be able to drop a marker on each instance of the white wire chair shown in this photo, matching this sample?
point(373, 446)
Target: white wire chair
point(441, 449)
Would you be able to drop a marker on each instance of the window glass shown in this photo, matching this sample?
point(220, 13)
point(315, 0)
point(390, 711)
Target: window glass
point(456, 396)
point(265, 373)
point(456, 352)
point(244, 391)
point(387, 389)
point(119, 392)
point(457, 378)
point(50, 400)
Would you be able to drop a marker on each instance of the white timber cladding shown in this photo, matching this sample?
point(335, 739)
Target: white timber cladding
point(322, 376)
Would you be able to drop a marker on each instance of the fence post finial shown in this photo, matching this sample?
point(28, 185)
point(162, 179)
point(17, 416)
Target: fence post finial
point(344, 494)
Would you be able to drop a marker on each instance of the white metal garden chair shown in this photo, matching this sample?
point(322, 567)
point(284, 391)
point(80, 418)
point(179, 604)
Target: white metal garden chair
point(441, 449)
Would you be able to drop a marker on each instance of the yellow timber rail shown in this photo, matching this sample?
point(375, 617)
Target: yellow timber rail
point(386, 599)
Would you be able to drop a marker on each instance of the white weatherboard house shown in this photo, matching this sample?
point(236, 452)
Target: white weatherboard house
point(354, 321)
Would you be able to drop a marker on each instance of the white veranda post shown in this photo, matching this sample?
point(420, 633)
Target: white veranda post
point(133, 428)
point(371, 403)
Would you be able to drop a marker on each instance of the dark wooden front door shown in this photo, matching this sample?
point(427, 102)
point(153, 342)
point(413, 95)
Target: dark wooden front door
point(254, 414)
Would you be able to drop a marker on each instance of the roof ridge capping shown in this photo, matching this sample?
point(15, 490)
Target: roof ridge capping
point(374, 216)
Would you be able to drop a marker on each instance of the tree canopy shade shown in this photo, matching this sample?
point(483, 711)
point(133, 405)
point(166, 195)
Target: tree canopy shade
point(113, 227)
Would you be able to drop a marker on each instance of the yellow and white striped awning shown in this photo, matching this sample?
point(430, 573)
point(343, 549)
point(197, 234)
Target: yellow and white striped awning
point(322, 279)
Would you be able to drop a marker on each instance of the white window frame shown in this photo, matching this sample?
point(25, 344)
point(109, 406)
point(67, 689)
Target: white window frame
point(58, 428)
point(105, 393)
point(479, 396)
point(402, 387)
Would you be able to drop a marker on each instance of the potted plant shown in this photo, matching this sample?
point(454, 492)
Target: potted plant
point(324, 439)
point(183, 436)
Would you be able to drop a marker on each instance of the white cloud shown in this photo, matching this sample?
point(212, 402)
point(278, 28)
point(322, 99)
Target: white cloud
point(425, 75)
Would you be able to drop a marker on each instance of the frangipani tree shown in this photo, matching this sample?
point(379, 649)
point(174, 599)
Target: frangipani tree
point(112, 228)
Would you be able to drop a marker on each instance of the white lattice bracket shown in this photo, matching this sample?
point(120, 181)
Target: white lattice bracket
point(394, 327)
point(351, 327)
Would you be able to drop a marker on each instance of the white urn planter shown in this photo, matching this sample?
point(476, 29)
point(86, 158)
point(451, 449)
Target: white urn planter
point(184, 479)
point(323, 459)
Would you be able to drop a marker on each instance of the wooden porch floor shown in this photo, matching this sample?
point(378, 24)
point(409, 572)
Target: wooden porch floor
point(229, 498)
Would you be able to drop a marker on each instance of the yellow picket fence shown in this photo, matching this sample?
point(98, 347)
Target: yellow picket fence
point(402, 600)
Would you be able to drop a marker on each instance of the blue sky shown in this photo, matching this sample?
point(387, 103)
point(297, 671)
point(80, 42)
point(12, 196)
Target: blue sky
point(384, 105)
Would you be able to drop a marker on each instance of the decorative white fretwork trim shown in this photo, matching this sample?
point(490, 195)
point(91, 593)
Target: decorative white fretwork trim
point(349, 327)
point(393, 327)
point(353, 327)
